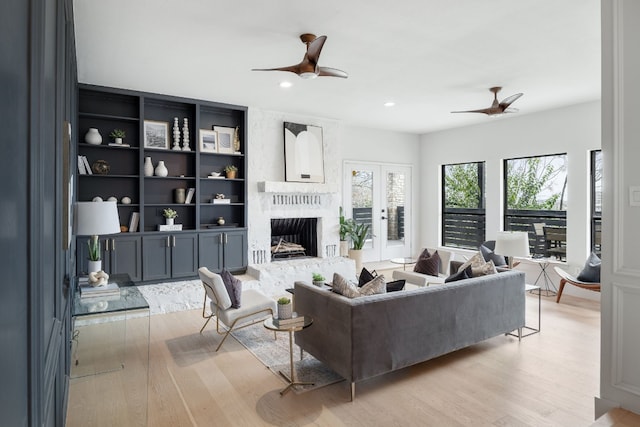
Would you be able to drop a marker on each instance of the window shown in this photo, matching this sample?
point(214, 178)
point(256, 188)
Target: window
point(596, 200)
point(463, 213)
point(535, 191)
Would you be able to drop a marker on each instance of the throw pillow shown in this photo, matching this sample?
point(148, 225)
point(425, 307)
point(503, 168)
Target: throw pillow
point(429, 266)
point(376, 286)
point(395, 286)
point(344, 287)
point(365, 276)
point(591, 271)
point(484, 270)
point(460, 275)
point(475, 261)
point(233, 286)
point(424, 254)
point(489, 255)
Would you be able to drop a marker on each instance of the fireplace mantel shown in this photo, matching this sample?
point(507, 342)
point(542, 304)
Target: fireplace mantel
point(296, 187)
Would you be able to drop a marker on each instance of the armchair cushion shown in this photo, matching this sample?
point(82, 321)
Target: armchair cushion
point(591, 271)
point(429, 265)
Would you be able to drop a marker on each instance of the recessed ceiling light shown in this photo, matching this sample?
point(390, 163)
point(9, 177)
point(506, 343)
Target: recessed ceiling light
point(285, 84)
point(389, 104)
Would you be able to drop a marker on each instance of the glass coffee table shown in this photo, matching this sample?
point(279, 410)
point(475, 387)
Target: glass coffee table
point(305, 322)
point(404, 261)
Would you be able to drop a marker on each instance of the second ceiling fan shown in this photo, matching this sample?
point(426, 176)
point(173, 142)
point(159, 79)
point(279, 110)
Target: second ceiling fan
point(309, 68)
point(497, 107)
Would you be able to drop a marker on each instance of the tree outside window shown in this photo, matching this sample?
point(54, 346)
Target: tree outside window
point(463, 213)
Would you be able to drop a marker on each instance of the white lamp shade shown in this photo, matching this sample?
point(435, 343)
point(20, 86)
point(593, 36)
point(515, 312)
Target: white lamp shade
point(96, 218)
point(512, 243)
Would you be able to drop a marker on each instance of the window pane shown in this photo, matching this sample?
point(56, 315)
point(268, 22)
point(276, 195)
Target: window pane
point(463, 214)
point(362, 196)
point(395, 206)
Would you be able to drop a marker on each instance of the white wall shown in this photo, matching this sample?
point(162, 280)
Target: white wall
point(574, 130)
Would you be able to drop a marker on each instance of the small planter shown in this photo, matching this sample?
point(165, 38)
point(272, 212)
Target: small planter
point(169, 221)
point(285, 311)
point(318, 282)
point(94, 266)
point(231, 174)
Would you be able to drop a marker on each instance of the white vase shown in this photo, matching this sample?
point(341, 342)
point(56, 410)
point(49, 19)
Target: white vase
point(344, 248)
point(161, 169)
point(94, 266)
point(148, 167)
point(169, 221)
point(93, 137)
point(356, 255)
point(285, 311)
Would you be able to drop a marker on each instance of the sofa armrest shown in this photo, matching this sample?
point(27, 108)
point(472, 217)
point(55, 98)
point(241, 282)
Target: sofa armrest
point(417, 279)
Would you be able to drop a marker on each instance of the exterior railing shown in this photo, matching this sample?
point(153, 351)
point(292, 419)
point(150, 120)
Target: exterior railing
point(463, 228)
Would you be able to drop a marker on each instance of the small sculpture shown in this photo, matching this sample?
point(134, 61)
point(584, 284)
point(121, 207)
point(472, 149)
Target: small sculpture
point(176, 134)
point(236, 139)
point(219, 196)
point(185, 136)
point(98, 278)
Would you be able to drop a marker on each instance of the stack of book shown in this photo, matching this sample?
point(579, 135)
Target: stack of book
point(108, 290)
point(295, 320)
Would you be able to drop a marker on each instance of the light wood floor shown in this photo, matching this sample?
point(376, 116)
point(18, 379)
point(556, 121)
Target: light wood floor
point(547, 379)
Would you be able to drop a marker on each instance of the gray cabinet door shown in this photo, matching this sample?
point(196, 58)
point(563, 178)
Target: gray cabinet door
point(125, 256)
point(210, 251)
point(184, 255)
point(156, 257)
point(235, 250)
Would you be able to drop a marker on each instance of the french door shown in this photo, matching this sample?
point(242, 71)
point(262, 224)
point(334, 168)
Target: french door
point(379, 194)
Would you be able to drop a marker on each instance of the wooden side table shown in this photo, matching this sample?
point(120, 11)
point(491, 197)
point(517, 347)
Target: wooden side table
point(306, 322)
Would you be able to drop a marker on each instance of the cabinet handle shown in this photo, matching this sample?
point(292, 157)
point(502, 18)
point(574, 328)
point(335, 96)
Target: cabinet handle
point(113, 244)
point(220, 238)
point(225, 238)
point(173, 239)
point(106, 245)
point(168, 243)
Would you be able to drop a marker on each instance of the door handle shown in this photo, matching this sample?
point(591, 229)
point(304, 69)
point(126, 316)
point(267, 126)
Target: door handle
point(383, 217)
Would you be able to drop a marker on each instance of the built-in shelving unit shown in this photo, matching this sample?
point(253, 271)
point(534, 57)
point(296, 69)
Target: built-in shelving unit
point(107, 109)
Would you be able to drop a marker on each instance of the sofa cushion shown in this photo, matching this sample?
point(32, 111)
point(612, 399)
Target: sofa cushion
point(366, 276)
point(396, 285)
point(489, 255)
point(465, 273)
point(377, 286)
point(428, 265)
point(591, 271)
point(348, 289)
point(233, 286)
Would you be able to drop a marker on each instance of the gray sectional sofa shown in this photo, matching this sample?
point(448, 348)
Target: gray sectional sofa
point(363, 337)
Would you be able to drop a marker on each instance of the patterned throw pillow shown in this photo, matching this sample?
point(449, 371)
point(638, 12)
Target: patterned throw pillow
point(484, 270)
point(376, 286)
point(476, 261)
point(344, 287)
point(428, 265)
point(233, 286)
point(489, 255)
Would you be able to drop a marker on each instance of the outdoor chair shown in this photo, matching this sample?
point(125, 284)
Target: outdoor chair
point(255, 306)
point(567, 278)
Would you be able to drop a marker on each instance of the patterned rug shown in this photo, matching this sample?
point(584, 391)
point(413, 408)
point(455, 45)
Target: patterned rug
point(274, 354)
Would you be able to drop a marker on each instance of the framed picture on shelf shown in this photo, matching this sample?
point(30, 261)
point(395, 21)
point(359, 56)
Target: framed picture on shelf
point(208, 141)
point(156, 134)
point(225, 139)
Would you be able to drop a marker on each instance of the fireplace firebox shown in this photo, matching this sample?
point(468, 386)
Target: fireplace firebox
point(294, 238)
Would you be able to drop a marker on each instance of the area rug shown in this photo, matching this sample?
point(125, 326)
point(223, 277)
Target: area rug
point(274, 354)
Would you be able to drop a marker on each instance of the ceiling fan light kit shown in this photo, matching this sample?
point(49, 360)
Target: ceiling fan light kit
point(309, 68)
point(497, 107)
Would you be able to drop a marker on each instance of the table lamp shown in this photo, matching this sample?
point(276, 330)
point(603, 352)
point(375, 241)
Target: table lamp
point(512, 244)
point(93, 219)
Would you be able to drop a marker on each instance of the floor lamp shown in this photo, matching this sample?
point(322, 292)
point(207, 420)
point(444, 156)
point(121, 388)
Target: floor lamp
point(512, 244)
point(94, 219)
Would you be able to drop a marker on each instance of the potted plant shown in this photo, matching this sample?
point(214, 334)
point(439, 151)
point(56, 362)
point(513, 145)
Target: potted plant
point(117, 135)
point(169, 215)
point(95, 262)
point(318, 279)
point(231, 171)
point(346, 225)
point(284, 308)
point(358, 236)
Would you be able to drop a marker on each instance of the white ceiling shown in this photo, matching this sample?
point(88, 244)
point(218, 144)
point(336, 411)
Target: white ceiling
point(428, 56)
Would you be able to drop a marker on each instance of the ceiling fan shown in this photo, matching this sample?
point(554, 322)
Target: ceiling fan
point(497, 108)
point(309, 68)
